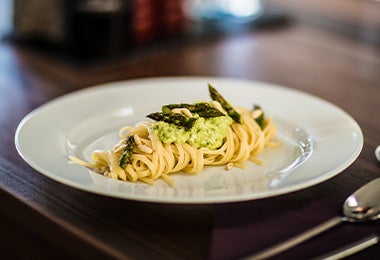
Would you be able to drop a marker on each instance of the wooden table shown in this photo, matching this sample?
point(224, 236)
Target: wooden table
point(41, 218)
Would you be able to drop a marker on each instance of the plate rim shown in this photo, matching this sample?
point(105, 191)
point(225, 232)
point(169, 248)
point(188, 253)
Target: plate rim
point(189, 200)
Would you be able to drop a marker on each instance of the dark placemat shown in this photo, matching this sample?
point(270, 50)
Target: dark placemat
point(246, 228)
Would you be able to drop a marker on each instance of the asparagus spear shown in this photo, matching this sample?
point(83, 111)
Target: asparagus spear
point(230, 110)
point(127, 154)
point(173, 118)
point(260, 119)
point(202, 109)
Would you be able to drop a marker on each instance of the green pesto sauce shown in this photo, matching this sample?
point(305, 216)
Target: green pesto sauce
point(206, 132)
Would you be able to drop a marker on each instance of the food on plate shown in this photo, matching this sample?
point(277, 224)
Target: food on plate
point(186, 138)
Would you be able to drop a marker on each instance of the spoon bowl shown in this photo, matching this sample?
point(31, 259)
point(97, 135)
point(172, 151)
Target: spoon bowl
point(377, 153)
point(364, 204)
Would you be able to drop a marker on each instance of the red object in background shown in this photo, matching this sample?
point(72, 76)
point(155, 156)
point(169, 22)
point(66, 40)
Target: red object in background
point(156, 19)
point(143, 21)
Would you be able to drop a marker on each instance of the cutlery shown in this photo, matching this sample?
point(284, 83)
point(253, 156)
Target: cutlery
point(362, 206)
point(351, 249)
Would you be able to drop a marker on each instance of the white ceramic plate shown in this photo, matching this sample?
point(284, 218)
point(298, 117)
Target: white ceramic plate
point(319, 139)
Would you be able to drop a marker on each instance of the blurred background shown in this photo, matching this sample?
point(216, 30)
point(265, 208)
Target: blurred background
point(88, 31)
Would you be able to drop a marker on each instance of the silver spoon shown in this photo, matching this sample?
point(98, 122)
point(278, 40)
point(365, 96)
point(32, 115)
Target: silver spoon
point(377, 153)
point(362, 206)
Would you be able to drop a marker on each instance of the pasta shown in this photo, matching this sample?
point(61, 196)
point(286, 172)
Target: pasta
point(151, 158)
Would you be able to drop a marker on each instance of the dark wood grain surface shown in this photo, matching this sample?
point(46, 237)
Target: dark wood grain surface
point(41, 218)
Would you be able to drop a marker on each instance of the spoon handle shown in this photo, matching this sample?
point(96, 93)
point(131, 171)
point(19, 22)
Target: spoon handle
point(291, 242)
point(351, 248)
